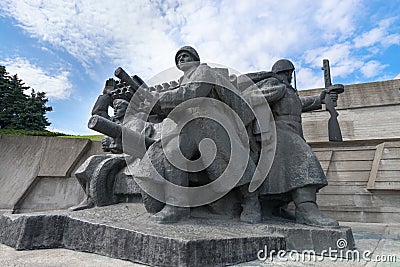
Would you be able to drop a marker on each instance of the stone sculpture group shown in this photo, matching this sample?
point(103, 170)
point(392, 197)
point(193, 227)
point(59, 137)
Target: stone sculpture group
point(236, 139)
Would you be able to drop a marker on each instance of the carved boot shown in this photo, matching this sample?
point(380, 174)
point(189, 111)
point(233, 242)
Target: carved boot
point(283, 212)
point(307, 211)
point(170, 213)
point(275, 207)
point(87, 203)
point(251, 208)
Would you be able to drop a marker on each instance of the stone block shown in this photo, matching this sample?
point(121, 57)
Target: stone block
point(32, 231)
point(302, 237)
point(125, 231)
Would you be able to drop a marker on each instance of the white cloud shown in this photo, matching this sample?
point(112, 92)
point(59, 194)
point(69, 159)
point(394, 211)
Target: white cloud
point(56, 86)
point(94, 30)
point(378, 35)
point(336, 19)
point(142, 36)
point(308, 79)
point(342, 61)
point(369, 38)
point(372, 68)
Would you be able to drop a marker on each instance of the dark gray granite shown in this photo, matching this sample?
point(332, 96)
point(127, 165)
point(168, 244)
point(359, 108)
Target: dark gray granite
point(125, 231)
point(302, 237)
point(32, 231)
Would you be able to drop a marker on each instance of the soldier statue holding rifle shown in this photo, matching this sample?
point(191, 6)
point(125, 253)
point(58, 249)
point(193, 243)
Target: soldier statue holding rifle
point(296, 173)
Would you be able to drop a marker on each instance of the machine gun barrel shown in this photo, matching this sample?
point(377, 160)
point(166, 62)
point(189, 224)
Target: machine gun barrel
point(134, 82)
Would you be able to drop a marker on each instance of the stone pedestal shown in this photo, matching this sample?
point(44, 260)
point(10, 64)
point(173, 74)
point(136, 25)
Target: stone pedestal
point(125, 231)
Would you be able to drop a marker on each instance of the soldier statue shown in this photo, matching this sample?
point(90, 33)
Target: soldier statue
point(296, 172)
point(198, 80)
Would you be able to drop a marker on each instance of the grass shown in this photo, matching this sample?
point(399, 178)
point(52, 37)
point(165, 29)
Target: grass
point(48, 133)
point(27, 132)
point(90, 137)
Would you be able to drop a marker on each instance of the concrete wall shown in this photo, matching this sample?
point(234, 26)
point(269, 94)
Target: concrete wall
point(364, 180)
point(36, 173)
point(364, 171)
point(366, 111)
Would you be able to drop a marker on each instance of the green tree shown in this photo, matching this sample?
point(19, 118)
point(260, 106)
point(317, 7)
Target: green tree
point(18, 110)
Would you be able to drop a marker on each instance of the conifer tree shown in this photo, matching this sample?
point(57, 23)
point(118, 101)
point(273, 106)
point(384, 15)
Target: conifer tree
point(18, 110)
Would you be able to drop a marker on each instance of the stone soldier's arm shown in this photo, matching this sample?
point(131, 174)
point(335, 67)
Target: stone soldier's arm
point(271, 89)
point(315, 102)
point(101, 106)
point(170, 99)
point(310, 103)
point(104, 100)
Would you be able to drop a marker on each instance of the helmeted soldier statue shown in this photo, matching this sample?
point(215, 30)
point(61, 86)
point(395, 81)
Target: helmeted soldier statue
point(296, 173)
point(198, 81)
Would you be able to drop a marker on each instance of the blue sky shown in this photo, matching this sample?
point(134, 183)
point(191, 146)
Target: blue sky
point(69, 48)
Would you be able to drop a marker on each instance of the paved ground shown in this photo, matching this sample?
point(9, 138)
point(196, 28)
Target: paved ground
point(382, 240)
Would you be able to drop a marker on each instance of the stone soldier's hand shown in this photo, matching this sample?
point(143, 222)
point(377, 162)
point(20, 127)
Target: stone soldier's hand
point(109, 86)
point(110, 82)
point(333, 95)
point(105, 143)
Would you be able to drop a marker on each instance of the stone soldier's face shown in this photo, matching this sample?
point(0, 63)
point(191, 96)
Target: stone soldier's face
point(185, 61)
point(120, 109)
point(287, 75)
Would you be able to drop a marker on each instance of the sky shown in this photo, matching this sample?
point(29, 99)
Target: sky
point(68, 49)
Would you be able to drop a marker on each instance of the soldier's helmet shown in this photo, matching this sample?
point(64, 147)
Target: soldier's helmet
point(282, 65)
point(188, 49)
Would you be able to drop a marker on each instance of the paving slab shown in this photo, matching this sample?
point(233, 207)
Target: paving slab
point(370, 238)
point(57, 258)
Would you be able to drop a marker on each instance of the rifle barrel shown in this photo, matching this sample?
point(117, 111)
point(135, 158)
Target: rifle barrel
point(327, 73)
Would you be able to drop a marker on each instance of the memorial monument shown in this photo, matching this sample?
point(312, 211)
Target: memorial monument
point(295, 174)
point(213, 158)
